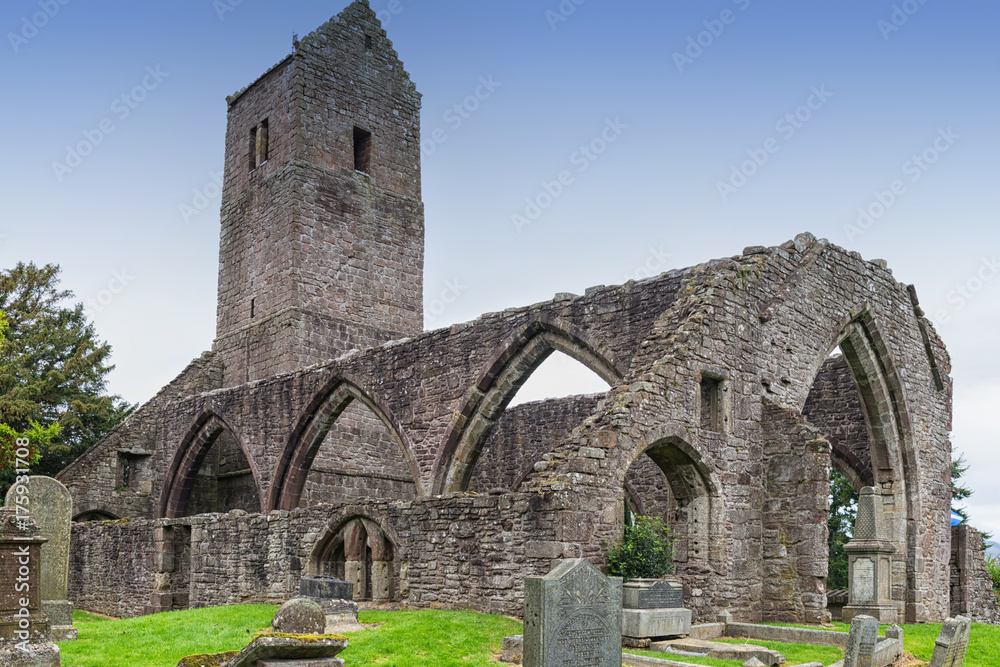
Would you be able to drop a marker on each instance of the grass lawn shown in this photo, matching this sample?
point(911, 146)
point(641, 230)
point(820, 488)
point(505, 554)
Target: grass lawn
point(161, 640)
point(407, 639)
point(984, 641)
point(431, 637)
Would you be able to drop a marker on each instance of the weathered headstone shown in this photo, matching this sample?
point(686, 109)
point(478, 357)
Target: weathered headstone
point(300, 616)
point(861, 642)
point(572, 617)
point(51, 506)
point(870, 562)
point(952, 642)
point(25, 639)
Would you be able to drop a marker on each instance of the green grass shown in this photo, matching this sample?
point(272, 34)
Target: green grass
point(795, 654)
point(161, 640)
point(431, 637)
point(984, 641)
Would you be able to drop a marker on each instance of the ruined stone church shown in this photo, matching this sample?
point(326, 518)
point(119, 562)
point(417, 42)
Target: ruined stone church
point(326, 433)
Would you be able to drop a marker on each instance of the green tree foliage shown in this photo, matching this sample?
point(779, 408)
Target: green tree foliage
point(959, 491)
point(53, 372)
point(646, 552)
point(843, 511)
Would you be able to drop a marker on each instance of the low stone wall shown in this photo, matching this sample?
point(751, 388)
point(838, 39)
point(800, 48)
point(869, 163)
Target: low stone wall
point(971, 584)
point(119, 561)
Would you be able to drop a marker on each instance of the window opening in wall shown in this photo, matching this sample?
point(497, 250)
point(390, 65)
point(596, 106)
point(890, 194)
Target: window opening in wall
point(124, 471)
point(253, 149)
point(711, 404)
point(362, 150)
point(253, 305)
point(258, 145)
point(369, 42)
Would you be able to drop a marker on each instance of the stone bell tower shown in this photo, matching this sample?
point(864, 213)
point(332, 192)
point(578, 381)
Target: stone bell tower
point(322, 243)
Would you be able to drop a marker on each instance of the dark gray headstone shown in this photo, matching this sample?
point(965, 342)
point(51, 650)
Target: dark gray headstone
point(573, 617)
point(861, 642)
point(952, 642)
point(326, 588)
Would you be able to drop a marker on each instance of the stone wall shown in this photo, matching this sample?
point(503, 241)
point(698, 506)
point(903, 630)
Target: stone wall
point(834, 407)
point(971, 585)
point(522, 436)
point(112, 567)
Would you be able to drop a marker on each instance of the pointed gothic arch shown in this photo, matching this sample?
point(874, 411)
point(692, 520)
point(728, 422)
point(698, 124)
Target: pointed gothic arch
point(203, 433)
point(327, 406)
point(496, 386)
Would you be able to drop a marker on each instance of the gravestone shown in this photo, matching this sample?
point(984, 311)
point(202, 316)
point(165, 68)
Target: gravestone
point(51, 507)
point(870, 562)
point(952, 642)
point(861, 642)
point(25, 639)
point(654, 608)
point(573, 617)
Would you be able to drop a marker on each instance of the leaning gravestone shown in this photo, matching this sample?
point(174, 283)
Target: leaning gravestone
point(573, 617)
point(861, 642)
point(51, 506)
point(25, 639)
point(951, 644)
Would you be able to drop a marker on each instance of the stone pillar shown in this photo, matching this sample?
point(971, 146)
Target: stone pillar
point(161, 599)
point(870, 562)
point(381, 566)
point(51, 507)
point(25, 631)
point(355, 543)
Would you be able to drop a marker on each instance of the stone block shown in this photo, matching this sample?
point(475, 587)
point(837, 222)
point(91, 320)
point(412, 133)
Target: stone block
point(652, 594)
point(513, 649)
point(656, 622)
point(326, 588)
point(300, 616)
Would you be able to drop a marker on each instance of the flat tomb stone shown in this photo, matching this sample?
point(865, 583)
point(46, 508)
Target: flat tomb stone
point(720, 650)
point(652, 594)
point(318, 662)
point(656, 622)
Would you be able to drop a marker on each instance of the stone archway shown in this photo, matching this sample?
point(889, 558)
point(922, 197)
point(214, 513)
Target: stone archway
point(358, 551)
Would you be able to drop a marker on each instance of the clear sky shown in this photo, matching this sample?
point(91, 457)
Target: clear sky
point(878, 94)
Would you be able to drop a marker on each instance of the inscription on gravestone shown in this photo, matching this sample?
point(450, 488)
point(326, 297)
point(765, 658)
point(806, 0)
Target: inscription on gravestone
point(952, 642)
point(864, 579)
point(572, 618)
point(661, 596)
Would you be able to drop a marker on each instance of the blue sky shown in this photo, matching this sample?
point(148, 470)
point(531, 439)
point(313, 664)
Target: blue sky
point(693, 91)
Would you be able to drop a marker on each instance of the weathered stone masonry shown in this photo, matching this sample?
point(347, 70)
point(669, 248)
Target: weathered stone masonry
point(324, 425)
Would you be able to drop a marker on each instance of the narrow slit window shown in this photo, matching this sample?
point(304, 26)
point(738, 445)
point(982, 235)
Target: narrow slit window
point(262, 144)
point(253, 149)
point(253, 308)
point(369, 42)
point(362, 150)
point(711, 404)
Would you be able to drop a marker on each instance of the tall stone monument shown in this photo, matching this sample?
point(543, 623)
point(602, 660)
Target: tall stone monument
point(870, 562)
point(952, 642)
point(51, 506)
point(25, 639)
point(861, 642)
point(573, 617)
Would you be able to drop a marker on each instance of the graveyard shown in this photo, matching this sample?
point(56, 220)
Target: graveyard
point(331, 484)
